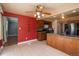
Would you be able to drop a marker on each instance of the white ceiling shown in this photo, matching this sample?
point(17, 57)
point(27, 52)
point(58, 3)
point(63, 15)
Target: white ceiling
point(25, 8)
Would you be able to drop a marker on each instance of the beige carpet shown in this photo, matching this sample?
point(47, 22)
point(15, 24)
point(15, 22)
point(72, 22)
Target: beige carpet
point(37, 48)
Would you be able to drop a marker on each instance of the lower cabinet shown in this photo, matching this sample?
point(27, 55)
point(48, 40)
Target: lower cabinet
point(59, 43)
point(69, 45)
point(54, 41)
point(49, 41)
point(41, 36)
point(76, 51)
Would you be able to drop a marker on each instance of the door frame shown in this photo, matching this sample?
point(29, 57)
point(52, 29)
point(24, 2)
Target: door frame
point(7, 30)
point(1, 38)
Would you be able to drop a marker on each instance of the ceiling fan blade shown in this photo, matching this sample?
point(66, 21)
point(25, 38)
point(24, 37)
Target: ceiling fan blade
point(45, 11)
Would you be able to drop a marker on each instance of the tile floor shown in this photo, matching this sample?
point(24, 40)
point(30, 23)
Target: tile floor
point(37, 48)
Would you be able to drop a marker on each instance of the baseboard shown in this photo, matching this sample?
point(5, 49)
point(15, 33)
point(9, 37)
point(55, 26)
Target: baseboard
point(27, 42)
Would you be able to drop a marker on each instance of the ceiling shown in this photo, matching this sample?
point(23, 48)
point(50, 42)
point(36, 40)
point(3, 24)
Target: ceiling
point(26, 8)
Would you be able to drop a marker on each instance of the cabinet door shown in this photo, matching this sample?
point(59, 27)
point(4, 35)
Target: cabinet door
point(40, 23)
point(59, 43)
point(54, 39)
point(76, 43)
point(49, 40)
point(72, 47)
point(68, 47)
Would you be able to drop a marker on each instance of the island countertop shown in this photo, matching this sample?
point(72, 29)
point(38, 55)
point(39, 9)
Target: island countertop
point(65, 36)
point(67, 44)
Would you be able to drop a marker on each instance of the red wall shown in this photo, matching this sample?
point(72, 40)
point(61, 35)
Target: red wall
point(26, 27)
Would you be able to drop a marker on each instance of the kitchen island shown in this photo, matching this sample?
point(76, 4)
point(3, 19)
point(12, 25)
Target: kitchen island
point(67, 44)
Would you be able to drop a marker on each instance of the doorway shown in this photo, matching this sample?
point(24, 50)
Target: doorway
point(10, 30)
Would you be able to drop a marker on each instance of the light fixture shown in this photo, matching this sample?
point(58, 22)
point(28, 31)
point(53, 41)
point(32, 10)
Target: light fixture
point(38, 13)
point(34, 15)
point(38, 16)
point(62, 15)
point(74, 11)
point(43, 15)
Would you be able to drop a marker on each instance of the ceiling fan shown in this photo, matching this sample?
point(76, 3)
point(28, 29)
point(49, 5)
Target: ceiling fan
point(40, 10)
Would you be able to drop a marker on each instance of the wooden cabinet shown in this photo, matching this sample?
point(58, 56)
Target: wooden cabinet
point(76, 49)
point(50, 40)
point(59, 43)
point(53, 41)
point(41, 36)
point(40, 23)
point(69, 45)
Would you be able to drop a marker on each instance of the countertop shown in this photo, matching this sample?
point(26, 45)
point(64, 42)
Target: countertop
point(65, 36)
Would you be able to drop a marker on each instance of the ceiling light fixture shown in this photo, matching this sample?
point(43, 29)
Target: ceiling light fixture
point(34, 15)
point(38, 16)
point(43, 15)
point(38, 13)
point(62, 15)
point(74, 11)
